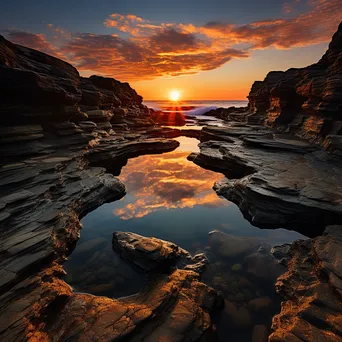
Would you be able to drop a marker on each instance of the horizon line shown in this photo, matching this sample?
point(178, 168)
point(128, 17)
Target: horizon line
point(191, 100)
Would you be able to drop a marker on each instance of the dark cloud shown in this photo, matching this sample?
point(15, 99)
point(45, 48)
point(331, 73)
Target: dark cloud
point(129, 60)
point(172, 40)
point(314, 26)
point(34, 41)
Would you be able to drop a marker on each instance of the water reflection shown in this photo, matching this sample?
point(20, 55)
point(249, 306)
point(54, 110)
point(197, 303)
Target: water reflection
point(167, 181)
point(171, 198)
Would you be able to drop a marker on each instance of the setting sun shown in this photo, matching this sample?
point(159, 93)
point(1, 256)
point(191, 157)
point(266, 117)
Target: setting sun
point(174, 95)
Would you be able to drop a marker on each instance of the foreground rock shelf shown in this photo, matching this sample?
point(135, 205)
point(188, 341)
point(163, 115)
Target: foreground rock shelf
point(173, 304)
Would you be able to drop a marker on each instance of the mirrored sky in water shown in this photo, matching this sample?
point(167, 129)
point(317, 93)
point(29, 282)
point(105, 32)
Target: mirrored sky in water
point(171, 198)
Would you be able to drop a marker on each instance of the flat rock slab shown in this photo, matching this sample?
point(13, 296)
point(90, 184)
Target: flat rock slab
point(297, 186)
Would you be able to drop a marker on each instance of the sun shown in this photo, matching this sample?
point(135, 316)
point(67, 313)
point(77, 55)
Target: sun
point(174, 95)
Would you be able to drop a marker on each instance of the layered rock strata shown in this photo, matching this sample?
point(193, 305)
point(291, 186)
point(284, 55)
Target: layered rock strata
point(62, 137)
point(304, 101)
point(311, 289)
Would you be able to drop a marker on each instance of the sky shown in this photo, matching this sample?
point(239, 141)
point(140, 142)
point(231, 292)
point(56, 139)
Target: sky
point(207, 50)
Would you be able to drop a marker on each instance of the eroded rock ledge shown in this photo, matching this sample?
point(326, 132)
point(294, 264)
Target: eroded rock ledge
point(174, 305)
point(305, 101)
point(312, 291)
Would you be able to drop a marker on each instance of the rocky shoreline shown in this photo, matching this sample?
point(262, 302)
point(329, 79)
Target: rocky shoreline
point(63, 137)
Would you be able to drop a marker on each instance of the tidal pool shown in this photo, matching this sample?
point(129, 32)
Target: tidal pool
point(171, 198)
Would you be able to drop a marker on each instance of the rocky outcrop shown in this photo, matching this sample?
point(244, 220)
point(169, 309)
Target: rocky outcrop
point(58, 155)
point(277, 180)
point(173, 304)
point(305, 101)
point(311, 289)
point(43, 98)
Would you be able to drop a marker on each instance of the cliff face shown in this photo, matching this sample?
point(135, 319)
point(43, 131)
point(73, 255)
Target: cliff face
point(43, 98)
point(306, 101)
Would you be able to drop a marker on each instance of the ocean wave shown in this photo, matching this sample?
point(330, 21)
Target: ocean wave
point(188, 110)
point(192, 109)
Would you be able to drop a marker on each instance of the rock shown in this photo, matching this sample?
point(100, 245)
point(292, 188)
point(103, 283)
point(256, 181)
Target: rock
point(151, 254)
point(280, 252)
point(88, 125)
point(311, 290)
point(270, 191)
point(230, 310)
point(242, 319)
point(307, 101)
point(48, 182)
point(227, 114)
point(227, 245)
point(260, 334)
point(32, 80)
point(264, 265)
point(261, 305)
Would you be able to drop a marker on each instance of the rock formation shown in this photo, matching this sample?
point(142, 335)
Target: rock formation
point(305, 101)
point(59, 151)
point(282, 180)
point(311, 288)
point(63, 137)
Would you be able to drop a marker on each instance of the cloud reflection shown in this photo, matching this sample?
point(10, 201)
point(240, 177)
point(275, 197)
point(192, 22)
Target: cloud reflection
point(166, 181)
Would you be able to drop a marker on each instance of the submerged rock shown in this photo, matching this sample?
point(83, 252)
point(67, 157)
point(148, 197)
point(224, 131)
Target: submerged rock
point(148, 253)
point(228, 245)
point(260, 333)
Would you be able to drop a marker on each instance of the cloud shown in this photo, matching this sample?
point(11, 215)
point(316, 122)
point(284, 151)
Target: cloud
point(131, 59)
point(33, 41)
point(315, 26)
point(137, 48)
point(58, 32)
point(287, 8)
point(171, 40)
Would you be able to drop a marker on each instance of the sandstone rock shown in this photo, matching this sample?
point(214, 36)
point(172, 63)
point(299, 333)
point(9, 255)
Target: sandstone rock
point(311, 290)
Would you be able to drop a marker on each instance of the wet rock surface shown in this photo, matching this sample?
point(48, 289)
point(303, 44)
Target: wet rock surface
point(173, 304)
point(295, 187)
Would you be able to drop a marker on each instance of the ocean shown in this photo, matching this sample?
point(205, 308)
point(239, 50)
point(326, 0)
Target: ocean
point(194, 107)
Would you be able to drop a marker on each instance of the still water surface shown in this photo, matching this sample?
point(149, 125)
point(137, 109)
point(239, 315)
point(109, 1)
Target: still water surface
point(171, 198)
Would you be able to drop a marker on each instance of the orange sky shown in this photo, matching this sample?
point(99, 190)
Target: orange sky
point(215, 58)
point(233, 80)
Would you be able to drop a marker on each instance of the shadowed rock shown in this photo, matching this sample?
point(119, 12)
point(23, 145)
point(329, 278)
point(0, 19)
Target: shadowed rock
point(307, 101)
